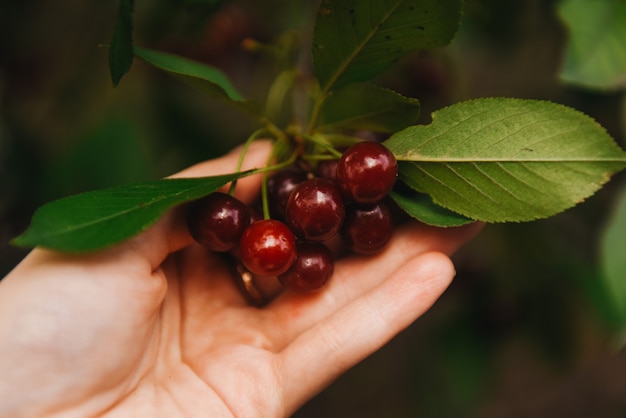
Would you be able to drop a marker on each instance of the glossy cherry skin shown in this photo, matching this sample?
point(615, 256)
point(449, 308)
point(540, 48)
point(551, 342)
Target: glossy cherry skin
point(315, 210)
point(366, 172)
point(217, 221)
point(312, 269)
point(279, 188)
point(267, 248)
point(367, 229)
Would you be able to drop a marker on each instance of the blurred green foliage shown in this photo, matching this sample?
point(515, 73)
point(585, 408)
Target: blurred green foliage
point(595, 55)
point(525, 329)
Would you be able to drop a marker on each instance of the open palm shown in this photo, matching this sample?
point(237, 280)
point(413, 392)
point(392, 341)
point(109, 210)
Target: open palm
point(157, 327)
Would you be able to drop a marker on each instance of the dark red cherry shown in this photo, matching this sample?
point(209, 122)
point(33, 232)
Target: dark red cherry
point(267, 248)
point(279, 188)
point(327, 169)
point(366, 172)
point(367, 229)
point(217, 221)
point(312, 269)
point(255, 214)
point(315, 210)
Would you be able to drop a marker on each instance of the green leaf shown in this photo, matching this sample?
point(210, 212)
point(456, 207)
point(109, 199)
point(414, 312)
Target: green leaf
point(368, 107)
point(421, 207)
point(204, 77)
point(501, 160)
point(613, 260)
point(98, 219)
point(121, 49)
point(354, 40)
point(596, 56)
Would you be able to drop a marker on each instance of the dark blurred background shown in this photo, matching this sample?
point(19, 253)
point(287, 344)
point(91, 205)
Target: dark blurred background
point(524, 331)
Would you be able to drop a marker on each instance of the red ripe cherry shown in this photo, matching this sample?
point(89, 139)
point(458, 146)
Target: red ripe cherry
point(315, 210)
point(312, 269)
point(367, 229)
point(279, 188)
point(366, 172)
point(267, 248)
point(217, 221)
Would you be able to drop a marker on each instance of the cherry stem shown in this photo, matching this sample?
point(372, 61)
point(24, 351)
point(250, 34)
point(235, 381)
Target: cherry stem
point(264, 200)
point(273, 130)
point(319, 157)
point(242, 155)
point(268, 168)
point(322, 142)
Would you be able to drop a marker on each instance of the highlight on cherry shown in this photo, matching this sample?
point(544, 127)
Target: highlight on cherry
point(311, 200)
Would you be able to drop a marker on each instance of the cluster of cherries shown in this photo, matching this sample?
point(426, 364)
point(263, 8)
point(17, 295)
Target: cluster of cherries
point(346, 197)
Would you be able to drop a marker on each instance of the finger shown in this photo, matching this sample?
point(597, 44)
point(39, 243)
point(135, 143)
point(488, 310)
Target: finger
point(355, 276)
point(247, 187)
point(363, 326)
point(170, 233)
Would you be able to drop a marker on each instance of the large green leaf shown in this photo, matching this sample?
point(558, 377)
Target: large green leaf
point(596, 52)
point(355, 40)
point(204, 77)
point(121, 49)
point(500, 160)
point(614, 260)
point(367, 107)
point(97, 219)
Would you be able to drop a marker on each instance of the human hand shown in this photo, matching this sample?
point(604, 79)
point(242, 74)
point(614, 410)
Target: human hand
point(157, 327)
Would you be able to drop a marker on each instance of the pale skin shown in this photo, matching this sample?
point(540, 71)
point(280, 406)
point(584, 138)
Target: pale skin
point(155, 327)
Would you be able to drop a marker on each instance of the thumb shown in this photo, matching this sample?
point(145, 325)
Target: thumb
point(248, 187)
